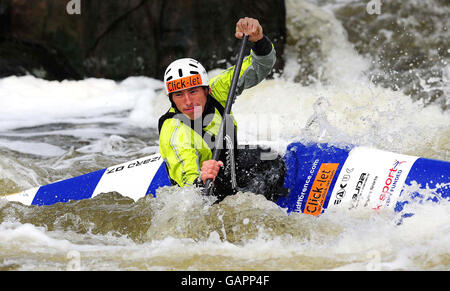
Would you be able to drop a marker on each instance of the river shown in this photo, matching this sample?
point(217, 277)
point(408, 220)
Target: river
point(379, 80)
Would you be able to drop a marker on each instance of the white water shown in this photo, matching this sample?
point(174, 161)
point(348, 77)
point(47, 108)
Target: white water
point(54, 130)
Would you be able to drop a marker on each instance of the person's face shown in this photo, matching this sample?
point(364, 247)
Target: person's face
point(191, 102)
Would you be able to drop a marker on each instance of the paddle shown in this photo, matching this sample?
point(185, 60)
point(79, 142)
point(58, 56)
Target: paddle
point(226, 115)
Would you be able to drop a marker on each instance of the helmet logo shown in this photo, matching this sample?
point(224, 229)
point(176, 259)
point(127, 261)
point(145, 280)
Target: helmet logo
point(184, 83)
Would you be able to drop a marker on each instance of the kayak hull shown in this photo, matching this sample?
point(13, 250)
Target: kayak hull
point(318, 176)
point(133, 179)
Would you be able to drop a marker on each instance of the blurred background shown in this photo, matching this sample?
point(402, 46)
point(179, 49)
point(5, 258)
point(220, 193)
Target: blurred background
point(118, 39)
point(407, 42)
point(81, 90)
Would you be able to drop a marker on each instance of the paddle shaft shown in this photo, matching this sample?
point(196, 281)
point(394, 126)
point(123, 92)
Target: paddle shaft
point(230, 101)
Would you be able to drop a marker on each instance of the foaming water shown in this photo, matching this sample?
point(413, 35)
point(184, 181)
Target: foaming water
point(57, 130)
point(243, 232)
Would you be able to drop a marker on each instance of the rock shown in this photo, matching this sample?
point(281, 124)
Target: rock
point(18, 57)
point(118, 39)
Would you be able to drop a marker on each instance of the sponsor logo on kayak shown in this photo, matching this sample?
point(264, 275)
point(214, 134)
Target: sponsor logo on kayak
point(342, 186)
point(359, 188)
point(390, 184)
point(319, 189)
point(305, 186)
point(184, 83)
point(132, 165)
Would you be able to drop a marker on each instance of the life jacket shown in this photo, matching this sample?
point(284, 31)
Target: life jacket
point(185, 144)
point(204, 127)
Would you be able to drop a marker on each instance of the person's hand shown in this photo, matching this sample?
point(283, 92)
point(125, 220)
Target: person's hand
point(251, 27)
point(210, 169)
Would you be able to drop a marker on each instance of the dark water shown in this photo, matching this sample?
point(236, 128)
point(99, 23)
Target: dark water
point(406, 42)
point(378, 80)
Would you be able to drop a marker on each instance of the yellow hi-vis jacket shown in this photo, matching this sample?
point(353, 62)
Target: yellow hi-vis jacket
point(185, 144)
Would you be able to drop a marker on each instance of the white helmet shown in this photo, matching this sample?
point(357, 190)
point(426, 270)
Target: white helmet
point(184, 73)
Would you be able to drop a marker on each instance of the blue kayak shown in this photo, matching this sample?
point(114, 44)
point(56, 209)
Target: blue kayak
point(318, 176)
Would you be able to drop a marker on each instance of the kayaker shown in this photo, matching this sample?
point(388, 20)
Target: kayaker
point(188, 129)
